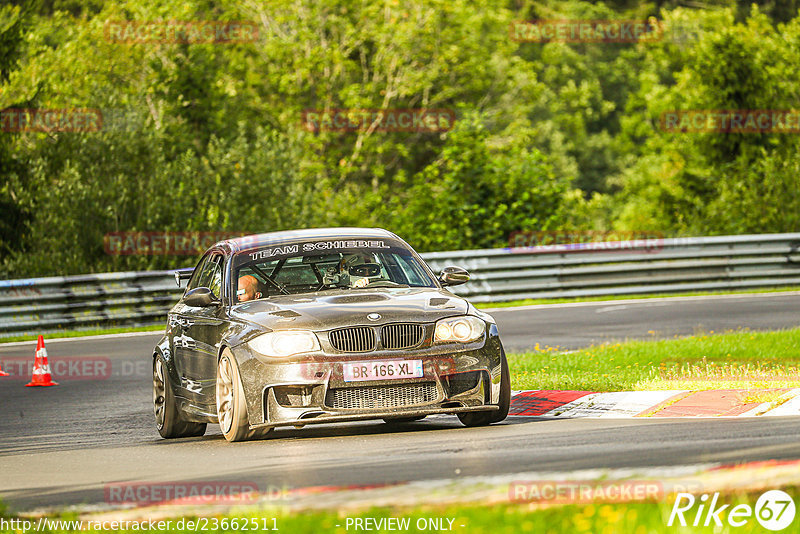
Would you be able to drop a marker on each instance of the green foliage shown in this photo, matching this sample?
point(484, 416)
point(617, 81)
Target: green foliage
point(583, 89)
point(247, 183)
point(714, 182)
point(210, 137)
point(13, 22)
point(474, 196)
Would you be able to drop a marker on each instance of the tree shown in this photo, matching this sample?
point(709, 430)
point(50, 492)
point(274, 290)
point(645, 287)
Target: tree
point(14, 22)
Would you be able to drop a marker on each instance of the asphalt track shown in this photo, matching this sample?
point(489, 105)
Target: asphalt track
point(63, 445)
point(572, 326)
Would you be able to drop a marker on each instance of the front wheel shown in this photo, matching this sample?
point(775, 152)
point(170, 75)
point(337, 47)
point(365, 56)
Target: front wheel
point(231, 404)
point(486, 418)
point(168, 418)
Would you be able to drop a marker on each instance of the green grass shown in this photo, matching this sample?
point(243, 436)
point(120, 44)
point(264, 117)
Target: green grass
point(733, 360)
point(597, 517)
point(531, 302)
point(81, 333)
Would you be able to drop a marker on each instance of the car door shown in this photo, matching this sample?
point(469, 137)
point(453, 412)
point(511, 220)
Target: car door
point(180, 318)
point(200, 327)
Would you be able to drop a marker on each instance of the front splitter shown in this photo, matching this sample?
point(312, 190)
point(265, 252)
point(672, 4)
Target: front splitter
point(364, 416)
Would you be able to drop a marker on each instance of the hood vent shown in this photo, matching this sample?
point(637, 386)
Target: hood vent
point(285, 313)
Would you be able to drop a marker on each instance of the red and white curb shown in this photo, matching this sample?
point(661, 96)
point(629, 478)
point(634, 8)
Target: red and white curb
point(674, 403)
point(547, 488)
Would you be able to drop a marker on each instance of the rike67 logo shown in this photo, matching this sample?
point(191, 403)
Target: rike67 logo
point(774, 510)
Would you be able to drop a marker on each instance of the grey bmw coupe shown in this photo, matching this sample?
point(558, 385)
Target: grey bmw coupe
point(322, 326)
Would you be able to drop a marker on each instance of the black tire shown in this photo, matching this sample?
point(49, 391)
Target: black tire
point(231, 403)
point(409, 419)
point(169, 422)
point(505, 390)
point(486, 418)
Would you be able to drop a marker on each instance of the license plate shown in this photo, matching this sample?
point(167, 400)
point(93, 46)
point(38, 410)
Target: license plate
point(382, 370)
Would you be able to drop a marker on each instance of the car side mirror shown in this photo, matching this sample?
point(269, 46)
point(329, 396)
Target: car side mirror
point(453, 276)
point(200, 297)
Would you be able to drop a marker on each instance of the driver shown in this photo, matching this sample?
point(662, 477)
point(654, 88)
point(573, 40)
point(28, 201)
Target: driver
point(360, 267)
point(353, 270)
point(248, 288)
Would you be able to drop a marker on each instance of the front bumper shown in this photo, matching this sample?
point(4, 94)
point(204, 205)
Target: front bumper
point(311, 390)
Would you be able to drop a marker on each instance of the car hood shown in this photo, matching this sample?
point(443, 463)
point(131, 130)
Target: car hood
point(334, 309)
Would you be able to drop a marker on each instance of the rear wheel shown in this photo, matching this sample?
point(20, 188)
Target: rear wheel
point(486, 418)
point(168, 418)
point(231, 404)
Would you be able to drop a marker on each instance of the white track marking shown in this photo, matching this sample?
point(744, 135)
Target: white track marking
point(642, 301)
point(790, 407)
point(81, 338)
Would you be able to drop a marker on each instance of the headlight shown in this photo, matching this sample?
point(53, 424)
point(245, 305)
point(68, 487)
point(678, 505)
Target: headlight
point(459, 329)
point(284, 343)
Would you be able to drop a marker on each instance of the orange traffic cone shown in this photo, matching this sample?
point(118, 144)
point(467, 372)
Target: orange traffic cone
point(41, 368)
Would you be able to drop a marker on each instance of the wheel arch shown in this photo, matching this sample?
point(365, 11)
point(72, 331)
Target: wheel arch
point(169, 363)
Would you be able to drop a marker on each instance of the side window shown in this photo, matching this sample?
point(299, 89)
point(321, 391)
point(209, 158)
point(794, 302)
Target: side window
point(208, 273)
point(215, 275)
point(197, 275)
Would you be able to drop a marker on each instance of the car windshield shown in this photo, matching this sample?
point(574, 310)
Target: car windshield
point(311, 267)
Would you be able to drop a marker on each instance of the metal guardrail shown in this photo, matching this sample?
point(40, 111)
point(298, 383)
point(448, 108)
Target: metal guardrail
point(672, 265)
point(77, 302)
point(650, 266)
